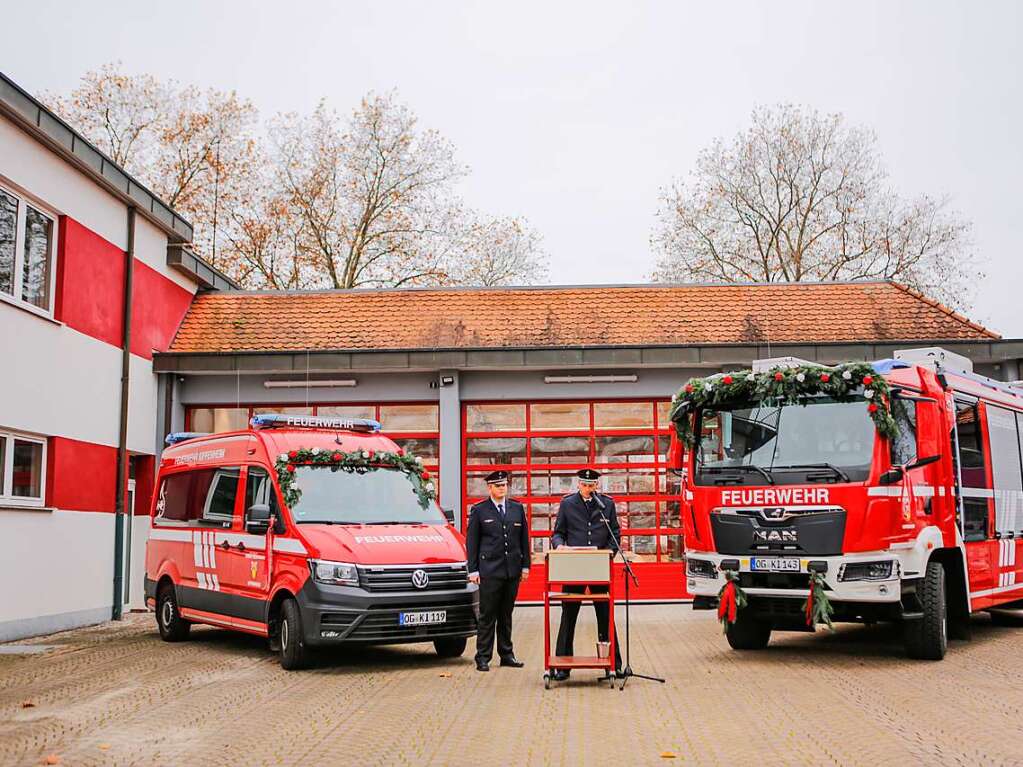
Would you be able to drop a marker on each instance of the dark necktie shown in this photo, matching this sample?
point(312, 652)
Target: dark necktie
point(500, 508)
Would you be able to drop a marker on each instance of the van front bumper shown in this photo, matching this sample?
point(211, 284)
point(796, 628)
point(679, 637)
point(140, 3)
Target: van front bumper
point(347, 614)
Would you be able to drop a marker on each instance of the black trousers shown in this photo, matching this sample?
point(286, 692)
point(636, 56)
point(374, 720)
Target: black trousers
point(497, 600)
point(569, 614)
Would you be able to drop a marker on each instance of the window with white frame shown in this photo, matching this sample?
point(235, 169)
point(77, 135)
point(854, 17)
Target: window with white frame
point(22, 469)
point(28, 249)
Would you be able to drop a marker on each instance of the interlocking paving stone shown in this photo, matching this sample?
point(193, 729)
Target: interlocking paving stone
point(117, 695)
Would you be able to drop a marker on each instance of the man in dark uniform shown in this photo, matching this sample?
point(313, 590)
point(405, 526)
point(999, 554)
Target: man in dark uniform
point(580, 522)
point(497, 539)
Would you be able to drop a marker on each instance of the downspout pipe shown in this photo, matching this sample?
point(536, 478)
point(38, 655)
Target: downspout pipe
point(122, 438)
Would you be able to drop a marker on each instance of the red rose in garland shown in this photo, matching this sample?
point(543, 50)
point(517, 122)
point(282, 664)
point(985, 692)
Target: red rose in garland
point(336, 457)
point(293, 454)
point(872, 407)
point(689, 388)
point(727, 380)
point(369, 455)
point(426, 474)
point(291, 468)
point(401, 451)
point(868, 380)
point(825, 378)
point(779, 377)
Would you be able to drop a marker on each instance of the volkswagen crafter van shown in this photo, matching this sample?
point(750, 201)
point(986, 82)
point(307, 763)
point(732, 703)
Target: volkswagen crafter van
point(310, 531)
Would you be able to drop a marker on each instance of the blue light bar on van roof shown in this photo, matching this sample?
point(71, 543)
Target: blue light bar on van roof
point(279, 421)
point(180, 436)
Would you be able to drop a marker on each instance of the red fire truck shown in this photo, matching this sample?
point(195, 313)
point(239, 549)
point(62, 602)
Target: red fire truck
point(308, 531)
point(894, 487)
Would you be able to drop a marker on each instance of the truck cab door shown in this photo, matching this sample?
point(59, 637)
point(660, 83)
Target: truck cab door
point(974, 495)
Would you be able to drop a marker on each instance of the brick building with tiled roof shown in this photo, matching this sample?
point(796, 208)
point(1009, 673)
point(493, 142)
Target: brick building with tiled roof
point(538, 381)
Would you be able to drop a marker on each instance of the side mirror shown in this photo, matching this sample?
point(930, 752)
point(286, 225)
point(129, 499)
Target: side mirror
point(449, 515)
point(257, 520)
point(923, 462)
point(891, 476)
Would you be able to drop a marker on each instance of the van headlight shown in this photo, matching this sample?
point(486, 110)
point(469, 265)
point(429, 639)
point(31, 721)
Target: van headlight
point(334, 573)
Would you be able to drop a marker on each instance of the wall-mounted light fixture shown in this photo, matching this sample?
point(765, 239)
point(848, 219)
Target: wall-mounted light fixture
point(589, 379)
point(309, 384)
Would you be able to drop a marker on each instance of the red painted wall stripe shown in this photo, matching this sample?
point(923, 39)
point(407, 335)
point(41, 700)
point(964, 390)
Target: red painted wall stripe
point(158, 306)
point(90, 274)
point(80, 476)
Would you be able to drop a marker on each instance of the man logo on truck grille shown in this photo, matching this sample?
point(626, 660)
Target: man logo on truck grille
point(420, 579)
point(778, 536)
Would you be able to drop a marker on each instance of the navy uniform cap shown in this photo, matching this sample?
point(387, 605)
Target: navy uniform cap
point(497, 478)
point(588, 475)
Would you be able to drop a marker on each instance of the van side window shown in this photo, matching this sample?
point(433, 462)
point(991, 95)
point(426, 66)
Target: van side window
point(970, 462)
point(220, 497)
point(1003, 434)
point(904, 444)
point(259, 489)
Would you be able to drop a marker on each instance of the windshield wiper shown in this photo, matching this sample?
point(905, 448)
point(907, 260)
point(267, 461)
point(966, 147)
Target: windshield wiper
point(740, 467)
point(389, 522)
point(318, 522)
point(830, 466)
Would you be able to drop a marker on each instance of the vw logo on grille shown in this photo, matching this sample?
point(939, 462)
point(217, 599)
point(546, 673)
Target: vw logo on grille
point(420, 579)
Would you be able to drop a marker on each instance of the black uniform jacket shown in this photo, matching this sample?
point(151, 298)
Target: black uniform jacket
point(576, 525)
point(498, 546)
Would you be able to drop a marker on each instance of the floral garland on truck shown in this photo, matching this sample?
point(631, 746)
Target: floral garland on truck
point(359, 461)
point(788, 386)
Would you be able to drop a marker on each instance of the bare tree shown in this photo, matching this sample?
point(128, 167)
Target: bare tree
point(801, 196)
point(500, 251)
point(194, 149)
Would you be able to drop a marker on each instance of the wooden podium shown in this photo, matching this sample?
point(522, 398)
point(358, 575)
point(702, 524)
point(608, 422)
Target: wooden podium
point(578, 567)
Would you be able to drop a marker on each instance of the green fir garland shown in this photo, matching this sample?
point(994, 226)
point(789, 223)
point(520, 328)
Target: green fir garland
point(356, 461)
point(785, 386)
point(818, 607)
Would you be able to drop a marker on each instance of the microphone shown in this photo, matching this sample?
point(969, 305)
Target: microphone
point(596, 498)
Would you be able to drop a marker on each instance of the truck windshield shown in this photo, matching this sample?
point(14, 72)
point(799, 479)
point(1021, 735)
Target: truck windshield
point(819, 441)
point(331, 495)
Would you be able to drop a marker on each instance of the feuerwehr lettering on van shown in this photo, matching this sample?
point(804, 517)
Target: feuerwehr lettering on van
point(398, 539)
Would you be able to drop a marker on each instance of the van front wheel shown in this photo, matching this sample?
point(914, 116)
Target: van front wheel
point(450, 647)
point(173, 628)
point(293, 651)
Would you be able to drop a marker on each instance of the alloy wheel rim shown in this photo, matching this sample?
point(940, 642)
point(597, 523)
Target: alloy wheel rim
point(168, 613)
point(284, 635)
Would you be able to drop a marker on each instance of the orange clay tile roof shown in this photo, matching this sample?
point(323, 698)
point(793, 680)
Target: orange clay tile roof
point(495, 318)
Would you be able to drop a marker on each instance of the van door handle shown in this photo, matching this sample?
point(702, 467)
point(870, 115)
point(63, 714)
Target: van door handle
point(241, 546)
point(225, 546)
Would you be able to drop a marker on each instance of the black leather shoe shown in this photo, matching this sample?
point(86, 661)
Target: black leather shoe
point(482, 665)
point(512, 661)
point(560, 675)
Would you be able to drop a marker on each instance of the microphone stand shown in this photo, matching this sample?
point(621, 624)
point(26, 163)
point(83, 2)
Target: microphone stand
point(629, 574)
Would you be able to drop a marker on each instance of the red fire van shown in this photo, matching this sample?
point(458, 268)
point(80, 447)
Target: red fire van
point(309, 531)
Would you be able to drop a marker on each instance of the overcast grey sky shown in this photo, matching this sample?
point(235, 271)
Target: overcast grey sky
point(575, 114)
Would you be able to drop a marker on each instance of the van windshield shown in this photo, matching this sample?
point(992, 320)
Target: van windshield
point(333, 495)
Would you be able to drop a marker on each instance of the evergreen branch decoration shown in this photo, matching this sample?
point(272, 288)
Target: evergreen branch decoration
point(848, 382)
point(731, 599)
point(818, 607)
point(356, 462)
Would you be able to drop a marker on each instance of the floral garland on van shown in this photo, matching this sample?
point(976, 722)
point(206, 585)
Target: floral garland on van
point(354, 461)
point(789, 386)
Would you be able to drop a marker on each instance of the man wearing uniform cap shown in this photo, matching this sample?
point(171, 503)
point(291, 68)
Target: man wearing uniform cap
point(497, 540)
point(581, 522)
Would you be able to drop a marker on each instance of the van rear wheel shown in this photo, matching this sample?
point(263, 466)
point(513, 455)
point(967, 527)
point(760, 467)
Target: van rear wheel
point(926, 638)
point(450, 647)
point(173, 628)
point(293, 651)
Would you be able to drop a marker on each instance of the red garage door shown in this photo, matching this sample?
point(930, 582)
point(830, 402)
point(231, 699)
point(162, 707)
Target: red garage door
point(543, 444)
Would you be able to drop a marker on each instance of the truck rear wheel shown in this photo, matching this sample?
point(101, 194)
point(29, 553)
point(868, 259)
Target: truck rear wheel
point(293, 651)
point(748, 632)
point(926, 638)
point(173, 628)
point(450, 647)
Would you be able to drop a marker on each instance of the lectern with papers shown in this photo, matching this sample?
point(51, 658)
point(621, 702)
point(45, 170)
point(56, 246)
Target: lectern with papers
point(578, 567)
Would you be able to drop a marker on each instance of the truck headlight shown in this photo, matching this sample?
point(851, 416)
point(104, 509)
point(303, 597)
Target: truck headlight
point(867, 571)
point(700, 568)
point(335, 573)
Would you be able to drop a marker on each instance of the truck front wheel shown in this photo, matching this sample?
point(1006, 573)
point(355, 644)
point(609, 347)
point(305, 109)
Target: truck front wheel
point(749, 632)
point(926, 638)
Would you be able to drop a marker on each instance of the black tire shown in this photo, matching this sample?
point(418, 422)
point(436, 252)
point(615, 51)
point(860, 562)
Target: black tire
point(1007, 618)
point(748, 632)
point(450, 647)
point(173, 628)
point(293, 651)
point(926, 638)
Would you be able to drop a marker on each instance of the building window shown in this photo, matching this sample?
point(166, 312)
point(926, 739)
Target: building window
point(543, 444)
point(22, 469)
point(28, 246)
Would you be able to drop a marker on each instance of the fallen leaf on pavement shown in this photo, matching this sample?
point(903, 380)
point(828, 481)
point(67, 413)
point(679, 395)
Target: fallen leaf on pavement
point(445, 674)
point(27, 704)
point(52, 759)
point(668, 755)
point(104, 746)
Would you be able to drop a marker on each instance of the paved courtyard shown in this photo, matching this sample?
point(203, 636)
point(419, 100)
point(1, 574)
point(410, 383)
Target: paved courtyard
point(117, 695)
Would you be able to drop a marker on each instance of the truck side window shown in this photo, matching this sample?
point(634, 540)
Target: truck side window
point(220, 497)
point(1004, 437)
point(904, 444)
point(259, 488)
point(970, 460)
